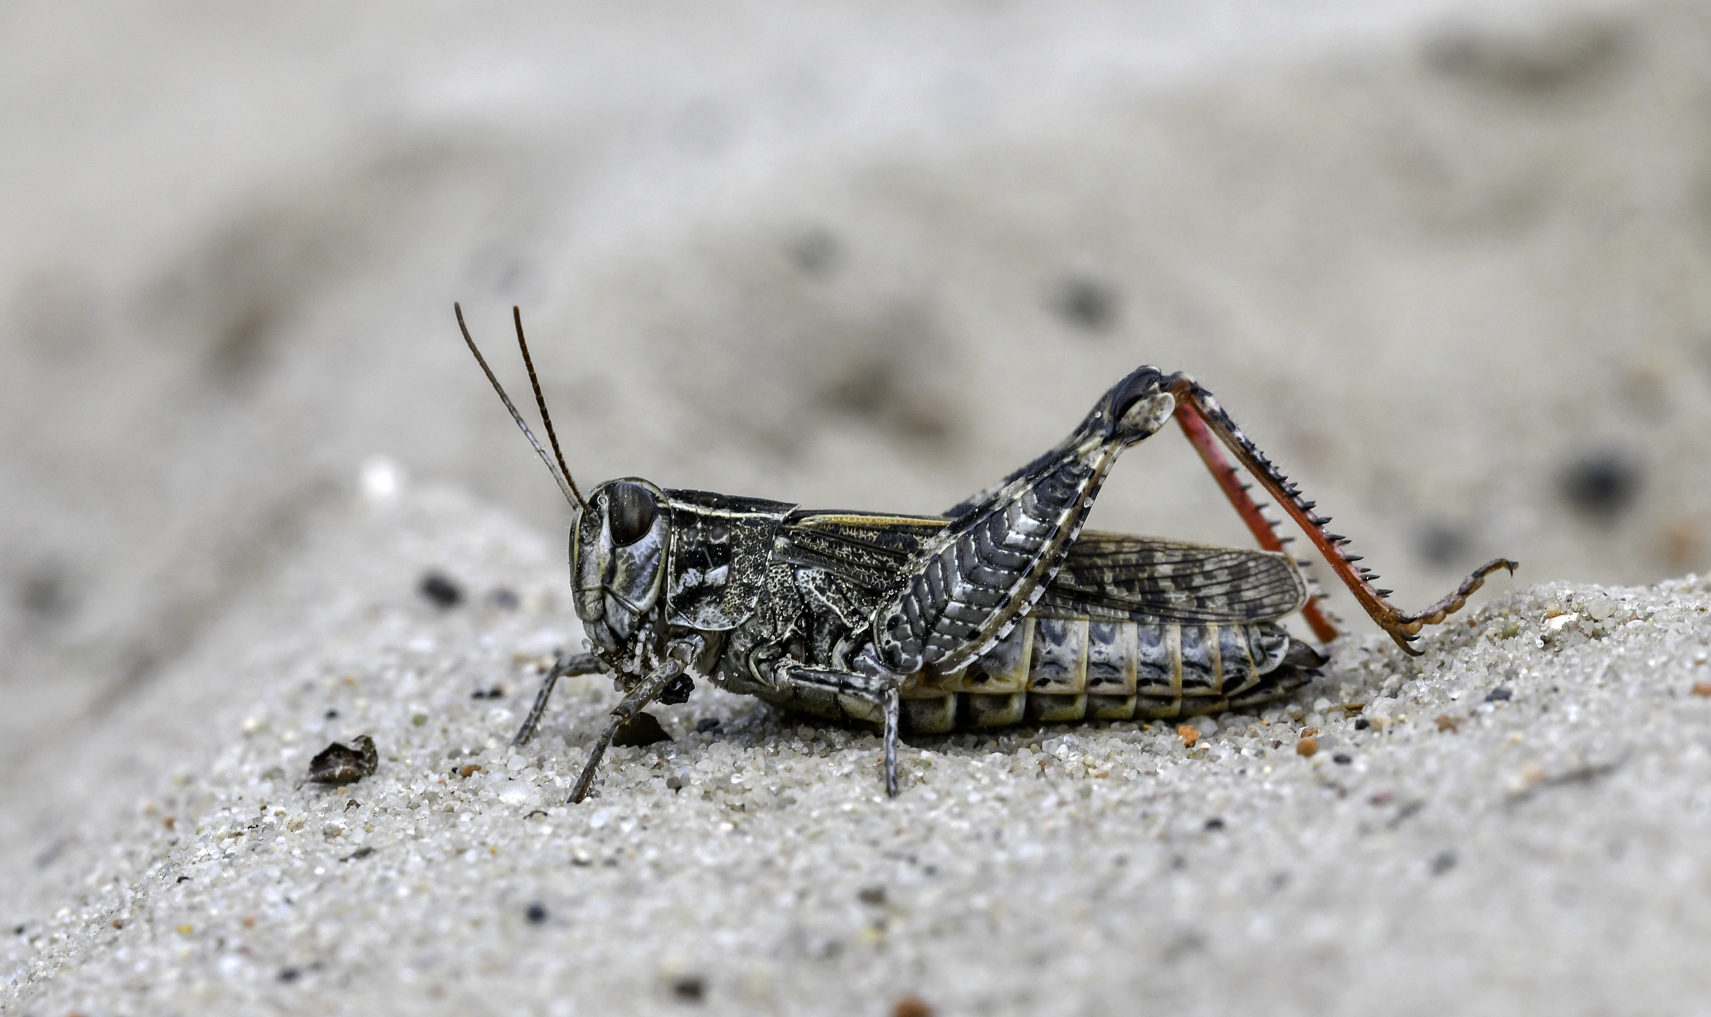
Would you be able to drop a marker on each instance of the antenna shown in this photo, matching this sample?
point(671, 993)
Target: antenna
point(541, 403)
point(565, 484)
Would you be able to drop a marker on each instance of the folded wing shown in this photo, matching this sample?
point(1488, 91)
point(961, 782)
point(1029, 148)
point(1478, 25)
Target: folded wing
point(1107, 576)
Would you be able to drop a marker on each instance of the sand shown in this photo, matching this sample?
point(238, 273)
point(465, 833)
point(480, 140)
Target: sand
point(1513, 822)
point(1447, 263)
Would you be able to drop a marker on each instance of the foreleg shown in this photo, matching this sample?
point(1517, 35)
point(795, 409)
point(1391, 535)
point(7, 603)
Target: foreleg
point(1201, 417)
point(579, 663)
point(880, 690)
point(634, 701)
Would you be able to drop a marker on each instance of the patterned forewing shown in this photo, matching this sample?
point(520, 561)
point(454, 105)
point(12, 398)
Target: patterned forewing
point(867, 549)
point(1107, 576)
point(1111, 576)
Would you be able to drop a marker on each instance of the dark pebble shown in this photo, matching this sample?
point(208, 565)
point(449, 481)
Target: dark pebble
point(689, 988)
point(17, 930)
point(874, 895)
point(288, 974)
point(1342, 759)
point(1444, 862)
point(1441, 545)
point(331, 714)
point(537, 913)
point(643, 730)
point(1497, 694)
point(1215, 823)
point(706, 724)
point(1601, 485)
point(441, 590)
point(1086, 303)
point(1361, 723)
point(345, 764)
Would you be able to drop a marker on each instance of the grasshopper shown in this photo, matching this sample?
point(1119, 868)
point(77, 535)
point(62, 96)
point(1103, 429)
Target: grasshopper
point(1000, 611)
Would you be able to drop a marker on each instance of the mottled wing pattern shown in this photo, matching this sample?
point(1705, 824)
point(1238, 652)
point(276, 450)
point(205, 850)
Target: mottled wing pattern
point(1110, 576)
point(1107, 576)
point(868, 549)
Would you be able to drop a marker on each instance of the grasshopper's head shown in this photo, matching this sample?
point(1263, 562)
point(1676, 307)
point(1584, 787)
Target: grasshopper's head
point(618, 542)
point(617, 560)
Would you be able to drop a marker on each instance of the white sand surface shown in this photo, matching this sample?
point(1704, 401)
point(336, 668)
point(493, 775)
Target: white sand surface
point(1449, 263)
point(1517, 821)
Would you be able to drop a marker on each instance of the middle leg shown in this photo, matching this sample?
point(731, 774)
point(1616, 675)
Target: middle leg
point(881, 691)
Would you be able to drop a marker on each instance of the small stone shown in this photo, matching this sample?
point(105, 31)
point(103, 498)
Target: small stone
point(689, 988)
point(1306, 746)
point(874, 895)
point(1361, 723)
point(674, 782)
point(1444, 862)
point(1188, 734)
point(1448, 723)
point(441, 590)
point(1498, 694)
point(345, 764)
point(469, 768)
point(1342, 759)
point(288, 974)
point(1601, 485)
point(536, 914)
point(911, 1006)
point(1086, 303)
point(1702, 688)
point(706, 724)
point(643, 729)
point(1215, 823)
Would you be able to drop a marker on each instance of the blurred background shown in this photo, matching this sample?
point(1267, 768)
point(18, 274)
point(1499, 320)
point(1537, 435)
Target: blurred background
point(1449, 264)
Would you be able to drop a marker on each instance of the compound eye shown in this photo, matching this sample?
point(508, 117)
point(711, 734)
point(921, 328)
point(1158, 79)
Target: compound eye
point(630, 511)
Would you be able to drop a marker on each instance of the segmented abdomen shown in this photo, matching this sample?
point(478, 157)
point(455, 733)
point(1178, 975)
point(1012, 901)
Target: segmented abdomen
point(1056, 669)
